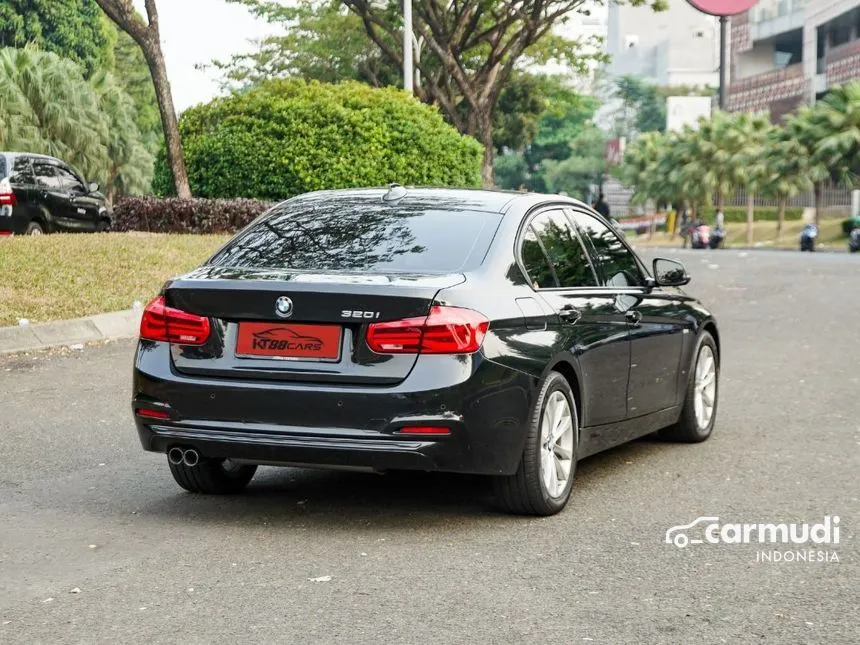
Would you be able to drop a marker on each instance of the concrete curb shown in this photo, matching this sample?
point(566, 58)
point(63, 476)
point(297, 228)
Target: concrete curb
point(112, 326)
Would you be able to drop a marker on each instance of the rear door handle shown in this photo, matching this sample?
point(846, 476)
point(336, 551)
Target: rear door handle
point(569, 314)
point(633, 317)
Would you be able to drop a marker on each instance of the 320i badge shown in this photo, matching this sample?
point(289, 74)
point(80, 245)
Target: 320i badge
point(495, 333)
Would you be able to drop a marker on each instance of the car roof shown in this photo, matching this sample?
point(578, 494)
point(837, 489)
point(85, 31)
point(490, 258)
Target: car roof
point(35, 155)
point(474, 199)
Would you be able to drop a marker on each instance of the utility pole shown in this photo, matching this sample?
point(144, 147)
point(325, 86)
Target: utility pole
point(723, 62)
point(408, 66)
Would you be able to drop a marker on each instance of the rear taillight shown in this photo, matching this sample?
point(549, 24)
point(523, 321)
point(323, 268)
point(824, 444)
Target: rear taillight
point(171, 325)
point(439, 431)
point(7, 195)
point(446, 330)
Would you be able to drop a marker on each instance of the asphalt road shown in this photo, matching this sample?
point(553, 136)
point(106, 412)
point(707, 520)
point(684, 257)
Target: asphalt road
point(97, 543)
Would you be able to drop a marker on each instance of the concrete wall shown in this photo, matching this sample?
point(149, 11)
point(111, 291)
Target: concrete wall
point(758, 60)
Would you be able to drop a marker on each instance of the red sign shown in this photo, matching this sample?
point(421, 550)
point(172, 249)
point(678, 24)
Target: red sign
point(288, 341)
point(723, 7)
point(614, 152)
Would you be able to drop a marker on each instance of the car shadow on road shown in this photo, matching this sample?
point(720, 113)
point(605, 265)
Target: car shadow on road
point(336, 499)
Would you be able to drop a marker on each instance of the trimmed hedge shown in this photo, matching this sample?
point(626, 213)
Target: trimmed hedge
point(185, 215)
point(286, 137)
point(850, 224)
point(762, 214)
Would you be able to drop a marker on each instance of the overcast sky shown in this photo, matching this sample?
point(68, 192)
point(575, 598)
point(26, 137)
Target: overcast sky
point(196, 31)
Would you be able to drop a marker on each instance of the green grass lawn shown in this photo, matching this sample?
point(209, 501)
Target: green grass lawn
point(830, 236)
point(55, 277)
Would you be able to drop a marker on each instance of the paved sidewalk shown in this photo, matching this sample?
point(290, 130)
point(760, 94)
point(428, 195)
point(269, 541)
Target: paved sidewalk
point(119, 324)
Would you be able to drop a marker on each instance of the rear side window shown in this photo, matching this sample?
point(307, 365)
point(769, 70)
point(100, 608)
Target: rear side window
point(365, 236)
point(2, 166)
point(536, 263)
point(22, 172)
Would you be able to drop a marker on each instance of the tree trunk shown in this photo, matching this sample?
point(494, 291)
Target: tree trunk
point(155, 60)
point(750, 217)
point(817, 203)
point(721, 201)
point(485, 135)
point(780, 222)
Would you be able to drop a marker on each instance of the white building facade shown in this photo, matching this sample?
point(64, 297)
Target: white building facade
point(789, 52)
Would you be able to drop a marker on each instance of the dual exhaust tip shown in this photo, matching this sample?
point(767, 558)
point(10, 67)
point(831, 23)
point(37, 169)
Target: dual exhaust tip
point(187, 456)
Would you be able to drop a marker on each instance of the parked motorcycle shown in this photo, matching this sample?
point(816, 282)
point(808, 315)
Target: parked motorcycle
point(807, 237)
point(718, 236)
point(854, 240)
point(700, 237)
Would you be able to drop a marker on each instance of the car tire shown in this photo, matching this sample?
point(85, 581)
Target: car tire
point(103, 225)
point(697, 420)
point(533, 490)
point(213, 476)
point(34, 228)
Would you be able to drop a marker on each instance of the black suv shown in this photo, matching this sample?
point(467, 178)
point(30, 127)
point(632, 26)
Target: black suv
point(40, 194)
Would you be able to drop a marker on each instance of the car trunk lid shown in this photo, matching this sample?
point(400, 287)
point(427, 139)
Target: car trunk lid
point(322, 330)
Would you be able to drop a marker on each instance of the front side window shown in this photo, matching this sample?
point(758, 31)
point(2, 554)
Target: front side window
point(70, 182)
point(614, 259)
point(564, 250)
point(46, 176)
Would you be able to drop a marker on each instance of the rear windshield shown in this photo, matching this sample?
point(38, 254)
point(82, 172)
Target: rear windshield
point(2, 166)
point(370, 237)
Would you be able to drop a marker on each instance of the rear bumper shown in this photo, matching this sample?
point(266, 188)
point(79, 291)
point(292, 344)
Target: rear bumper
point(485, 405)
point(6, 220)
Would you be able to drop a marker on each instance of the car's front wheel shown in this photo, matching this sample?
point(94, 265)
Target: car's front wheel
point(213, 476)
point(34, 228)
point(543, 481)
point(700, 404)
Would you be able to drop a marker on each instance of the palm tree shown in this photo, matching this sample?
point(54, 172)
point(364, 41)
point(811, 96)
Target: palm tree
point(806, 129)
point(837, 119)
point(639, 169)
point(787, 162)
point(131, 164)
point(751, 135)
point(49, 108)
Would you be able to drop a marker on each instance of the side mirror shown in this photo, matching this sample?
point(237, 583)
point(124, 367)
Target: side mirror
point(668, 273)
point(93, 187)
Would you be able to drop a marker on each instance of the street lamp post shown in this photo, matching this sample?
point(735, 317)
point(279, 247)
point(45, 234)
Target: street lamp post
point(408, 66)
point(723, 9)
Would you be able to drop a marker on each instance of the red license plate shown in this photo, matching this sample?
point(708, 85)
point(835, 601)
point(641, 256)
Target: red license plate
point(289, 340)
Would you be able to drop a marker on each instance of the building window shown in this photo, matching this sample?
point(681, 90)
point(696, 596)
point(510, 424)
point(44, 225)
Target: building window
point(839, 35)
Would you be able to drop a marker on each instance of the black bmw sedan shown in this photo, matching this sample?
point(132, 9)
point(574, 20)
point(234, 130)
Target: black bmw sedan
point(494, 333)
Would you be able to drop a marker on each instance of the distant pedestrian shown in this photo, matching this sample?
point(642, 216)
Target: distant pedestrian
point(719, 219)
point(601, 206)
point(684, 227)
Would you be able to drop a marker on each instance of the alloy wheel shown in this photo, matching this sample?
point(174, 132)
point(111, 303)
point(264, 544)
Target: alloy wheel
point(705, 393)
point(556, 444)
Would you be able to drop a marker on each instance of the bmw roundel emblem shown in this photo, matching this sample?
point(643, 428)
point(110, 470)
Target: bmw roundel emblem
point(284, 307)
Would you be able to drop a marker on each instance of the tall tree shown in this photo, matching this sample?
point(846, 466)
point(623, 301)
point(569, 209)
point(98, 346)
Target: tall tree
point(788, 163)
point(130, 164)
point(70, 28)
point(47, 106)
point(837, 120)
point(471, 48)
point(147, 35)
point(132, 74)
point(322, 41)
